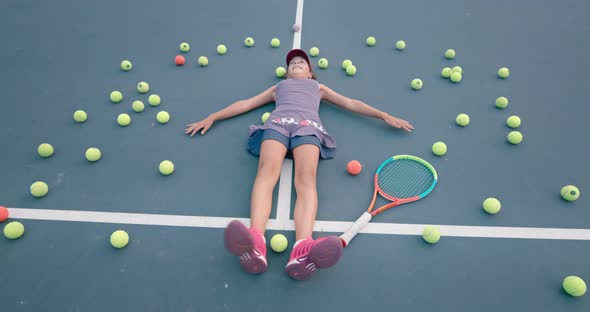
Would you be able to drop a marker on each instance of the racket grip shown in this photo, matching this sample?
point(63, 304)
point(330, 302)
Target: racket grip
point(358, 225)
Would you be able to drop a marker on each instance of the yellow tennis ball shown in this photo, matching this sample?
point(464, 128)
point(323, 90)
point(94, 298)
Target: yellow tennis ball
point(119, 239)
point(501, 102)
point(166, 167)
point(400, 45)
point(514, 137)
point(203, 61)
point(143, 87)
point(275, 43)
point(116, 96)
point(249, 42)
point(457, 69)
point(492, 205)
point(462, 120)
point(45, 150)
point(154, 100)
point(431, 234)
point(371, 41)
point(574, 286)
point(416, 84)
point(280, 71)
point(184, 47)
point(323, 63)
point(446, 72)
point(513, 121)
point(314, 51)
point(221, 49)
point(503, 72)
point(80, 116)
point(450, 54)
point(439, 148)
point(163, 117)
point(351, 70)
point(265, 117)
point(137, 106)
point(124, 120)
point(279, 243)
point(93, 154)
point(570, 193)
point(346, 63)
point(126, 65)
point(39, 189)
point(14, 230)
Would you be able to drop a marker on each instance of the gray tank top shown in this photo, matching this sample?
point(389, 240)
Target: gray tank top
point(296, 111)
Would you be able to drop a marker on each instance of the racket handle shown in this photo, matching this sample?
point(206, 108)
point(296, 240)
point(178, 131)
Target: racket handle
point(358, 225)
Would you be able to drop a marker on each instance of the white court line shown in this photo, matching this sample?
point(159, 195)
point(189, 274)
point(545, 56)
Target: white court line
point(286, 179)
point(320, 226)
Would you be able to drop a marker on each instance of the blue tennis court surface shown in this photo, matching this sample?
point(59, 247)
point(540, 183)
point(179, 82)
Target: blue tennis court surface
point(62, 56)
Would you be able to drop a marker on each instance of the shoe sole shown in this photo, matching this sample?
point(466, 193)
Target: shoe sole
point(239, 242)
point(323, 255)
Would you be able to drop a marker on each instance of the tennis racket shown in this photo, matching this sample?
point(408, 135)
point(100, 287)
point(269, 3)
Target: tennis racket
point(401, 179)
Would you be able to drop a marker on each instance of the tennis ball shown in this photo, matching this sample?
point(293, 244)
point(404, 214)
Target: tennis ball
point(119, 239)
point(351, 70)
point(501, 102)
point(514, 137)
point(163, 117)
point(265, 117)
point(354, 167)
point(154, 100)
point(249, 42)
point(431, 234)
point(275, 43)
point(314, 51)
point(446, 72)
point(221, 49)
point(491, 205)
point(416, 84)
point(116, 97)
point(179, 60)
point(574, 286)
point(456, 77)
point(166, 167)
point(143, 87)
point(124, 120)
point(450, 54)
point(14, 230)
point(80, 116)
point(280, 71)
point(296, 27)
point(457, 69)
point(137, 106)
point(39, 189)
point(513, 122)
point(503, 72)
point(323, 63)
point(93, 154)
point(439, 148)
point(203, 61)
point(279, 243)
point(570, 193)
point(371, 41)
point(346, 63)
point(126, 65)
point(184, 47)
point(462, 120)
point(400, 45)
point(45, 150)
point(3, 213)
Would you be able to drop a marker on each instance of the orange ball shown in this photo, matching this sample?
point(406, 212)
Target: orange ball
point(179, 60)
point(354, 167)
point(3, 213)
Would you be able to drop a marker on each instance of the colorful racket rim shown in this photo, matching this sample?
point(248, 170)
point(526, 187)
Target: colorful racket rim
point(405, 177)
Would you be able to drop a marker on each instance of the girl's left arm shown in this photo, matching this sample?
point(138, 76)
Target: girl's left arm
point(362, 108)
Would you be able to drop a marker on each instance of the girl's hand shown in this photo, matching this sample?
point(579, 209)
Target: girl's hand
point(204, 124)
point(398, 123)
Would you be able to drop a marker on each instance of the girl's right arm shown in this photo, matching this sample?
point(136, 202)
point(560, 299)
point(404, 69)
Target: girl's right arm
point(232, 110)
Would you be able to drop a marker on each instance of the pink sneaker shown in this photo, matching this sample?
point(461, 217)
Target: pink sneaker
point(248, 244)
point(310, 254)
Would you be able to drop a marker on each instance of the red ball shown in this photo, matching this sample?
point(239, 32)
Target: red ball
point(354, 167)
point(179, 60)
point(3, 213)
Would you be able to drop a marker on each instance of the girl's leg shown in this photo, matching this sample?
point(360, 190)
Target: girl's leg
point(272, 154)
point(306, 159)
point(309, 254)
point(250, 244)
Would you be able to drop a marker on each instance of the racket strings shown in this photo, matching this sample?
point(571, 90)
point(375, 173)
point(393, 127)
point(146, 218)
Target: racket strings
point(404, 178)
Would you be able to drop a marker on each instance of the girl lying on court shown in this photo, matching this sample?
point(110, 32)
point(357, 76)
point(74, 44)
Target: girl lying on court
point(293, 130)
